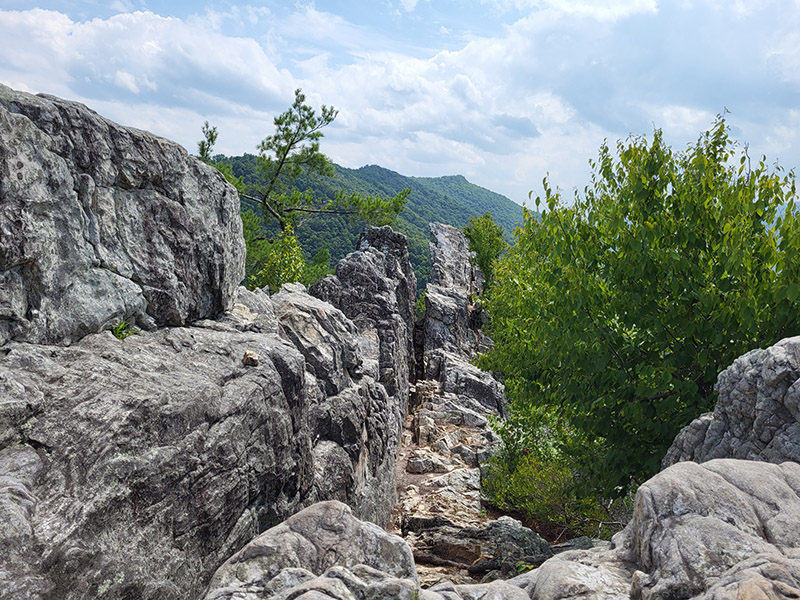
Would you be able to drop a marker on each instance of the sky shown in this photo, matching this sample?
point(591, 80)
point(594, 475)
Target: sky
point(504, 92)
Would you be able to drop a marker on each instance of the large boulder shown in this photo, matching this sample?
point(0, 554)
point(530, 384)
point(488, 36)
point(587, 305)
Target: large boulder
point(316, 539)
point(757, 416)
point(694, 525)
point(134, 468)
point(723, 529)
point(101, 223)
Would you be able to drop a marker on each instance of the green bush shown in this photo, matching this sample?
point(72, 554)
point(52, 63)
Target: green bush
point(283, 263)
point(486, 241)
point(123, 330)
point(620, 307)
point(539, 472)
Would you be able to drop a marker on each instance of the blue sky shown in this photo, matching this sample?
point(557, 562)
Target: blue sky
point(503, 92)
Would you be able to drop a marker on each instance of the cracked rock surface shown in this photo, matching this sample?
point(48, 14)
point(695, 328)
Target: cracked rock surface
point(101, 223)
point(757, 416)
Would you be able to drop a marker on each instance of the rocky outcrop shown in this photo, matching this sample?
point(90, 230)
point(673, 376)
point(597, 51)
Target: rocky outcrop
point(757, 416)
point(725, 529)
point(452, 319)
point(101, 223)
point(134, 468)
point(177, 452)
point(324, 552)
point(693, 524)
point(722, 529)
point(375, 287)
point(353, 422)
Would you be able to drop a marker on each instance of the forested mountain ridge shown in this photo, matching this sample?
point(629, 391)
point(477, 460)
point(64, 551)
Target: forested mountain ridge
point(450, 199)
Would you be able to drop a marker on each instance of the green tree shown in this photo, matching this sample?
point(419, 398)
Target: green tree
point(204, 149)
point(290, 153)
point(617, 312)
point(486, 241)
point(293, 151)
point(283, 263)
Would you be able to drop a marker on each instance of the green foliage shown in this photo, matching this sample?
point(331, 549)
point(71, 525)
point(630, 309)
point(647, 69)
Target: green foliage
point(618, 311)
point(486, 241)
point(273, 206)
point(282, 263)
point(319, 267)
point(451, 200)
point(292, 152)
point(123, 329)
point(539, 471)
point(544, 492)
point(419, 309)
point(206, 145)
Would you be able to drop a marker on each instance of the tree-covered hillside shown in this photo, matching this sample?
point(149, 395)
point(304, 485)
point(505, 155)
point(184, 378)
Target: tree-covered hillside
point(452, 200)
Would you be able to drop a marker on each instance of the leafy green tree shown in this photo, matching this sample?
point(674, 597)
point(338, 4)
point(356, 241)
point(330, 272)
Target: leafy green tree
point(283, 263)
point(486, 241)
point(617, 311)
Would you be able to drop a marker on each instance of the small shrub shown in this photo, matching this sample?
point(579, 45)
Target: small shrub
point(123, 330)
point(540, 473)
point(420, 306)
point(283, 263)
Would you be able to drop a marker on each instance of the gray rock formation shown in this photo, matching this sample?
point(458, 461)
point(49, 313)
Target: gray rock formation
point(375, 287)
point(693, 523)
point(133, 468)
point(354, 424)
point(723, 529)
point(452, 319)
point(496, 547)
point(324, 552)
point(321, 537)
point(177, 453)
point(101, 223)
point(757, 416)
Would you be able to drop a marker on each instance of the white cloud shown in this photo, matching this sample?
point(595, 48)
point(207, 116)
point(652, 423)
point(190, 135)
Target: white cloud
point(121, 5)
point(127, 81)
point(603, 10)
point(539, 96)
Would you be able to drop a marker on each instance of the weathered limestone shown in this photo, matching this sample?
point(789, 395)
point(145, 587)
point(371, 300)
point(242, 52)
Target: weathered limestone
point(757, 416)
point(452, 319)
point(354, 424)
point(101, 223)
point(723, 529)
point(321, 537)
point(375, 287)
point(138, 466)
point(134, 468)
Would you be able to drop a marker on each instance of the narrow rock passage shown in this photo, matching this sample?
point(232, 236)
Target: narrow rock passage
point(447, 435)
